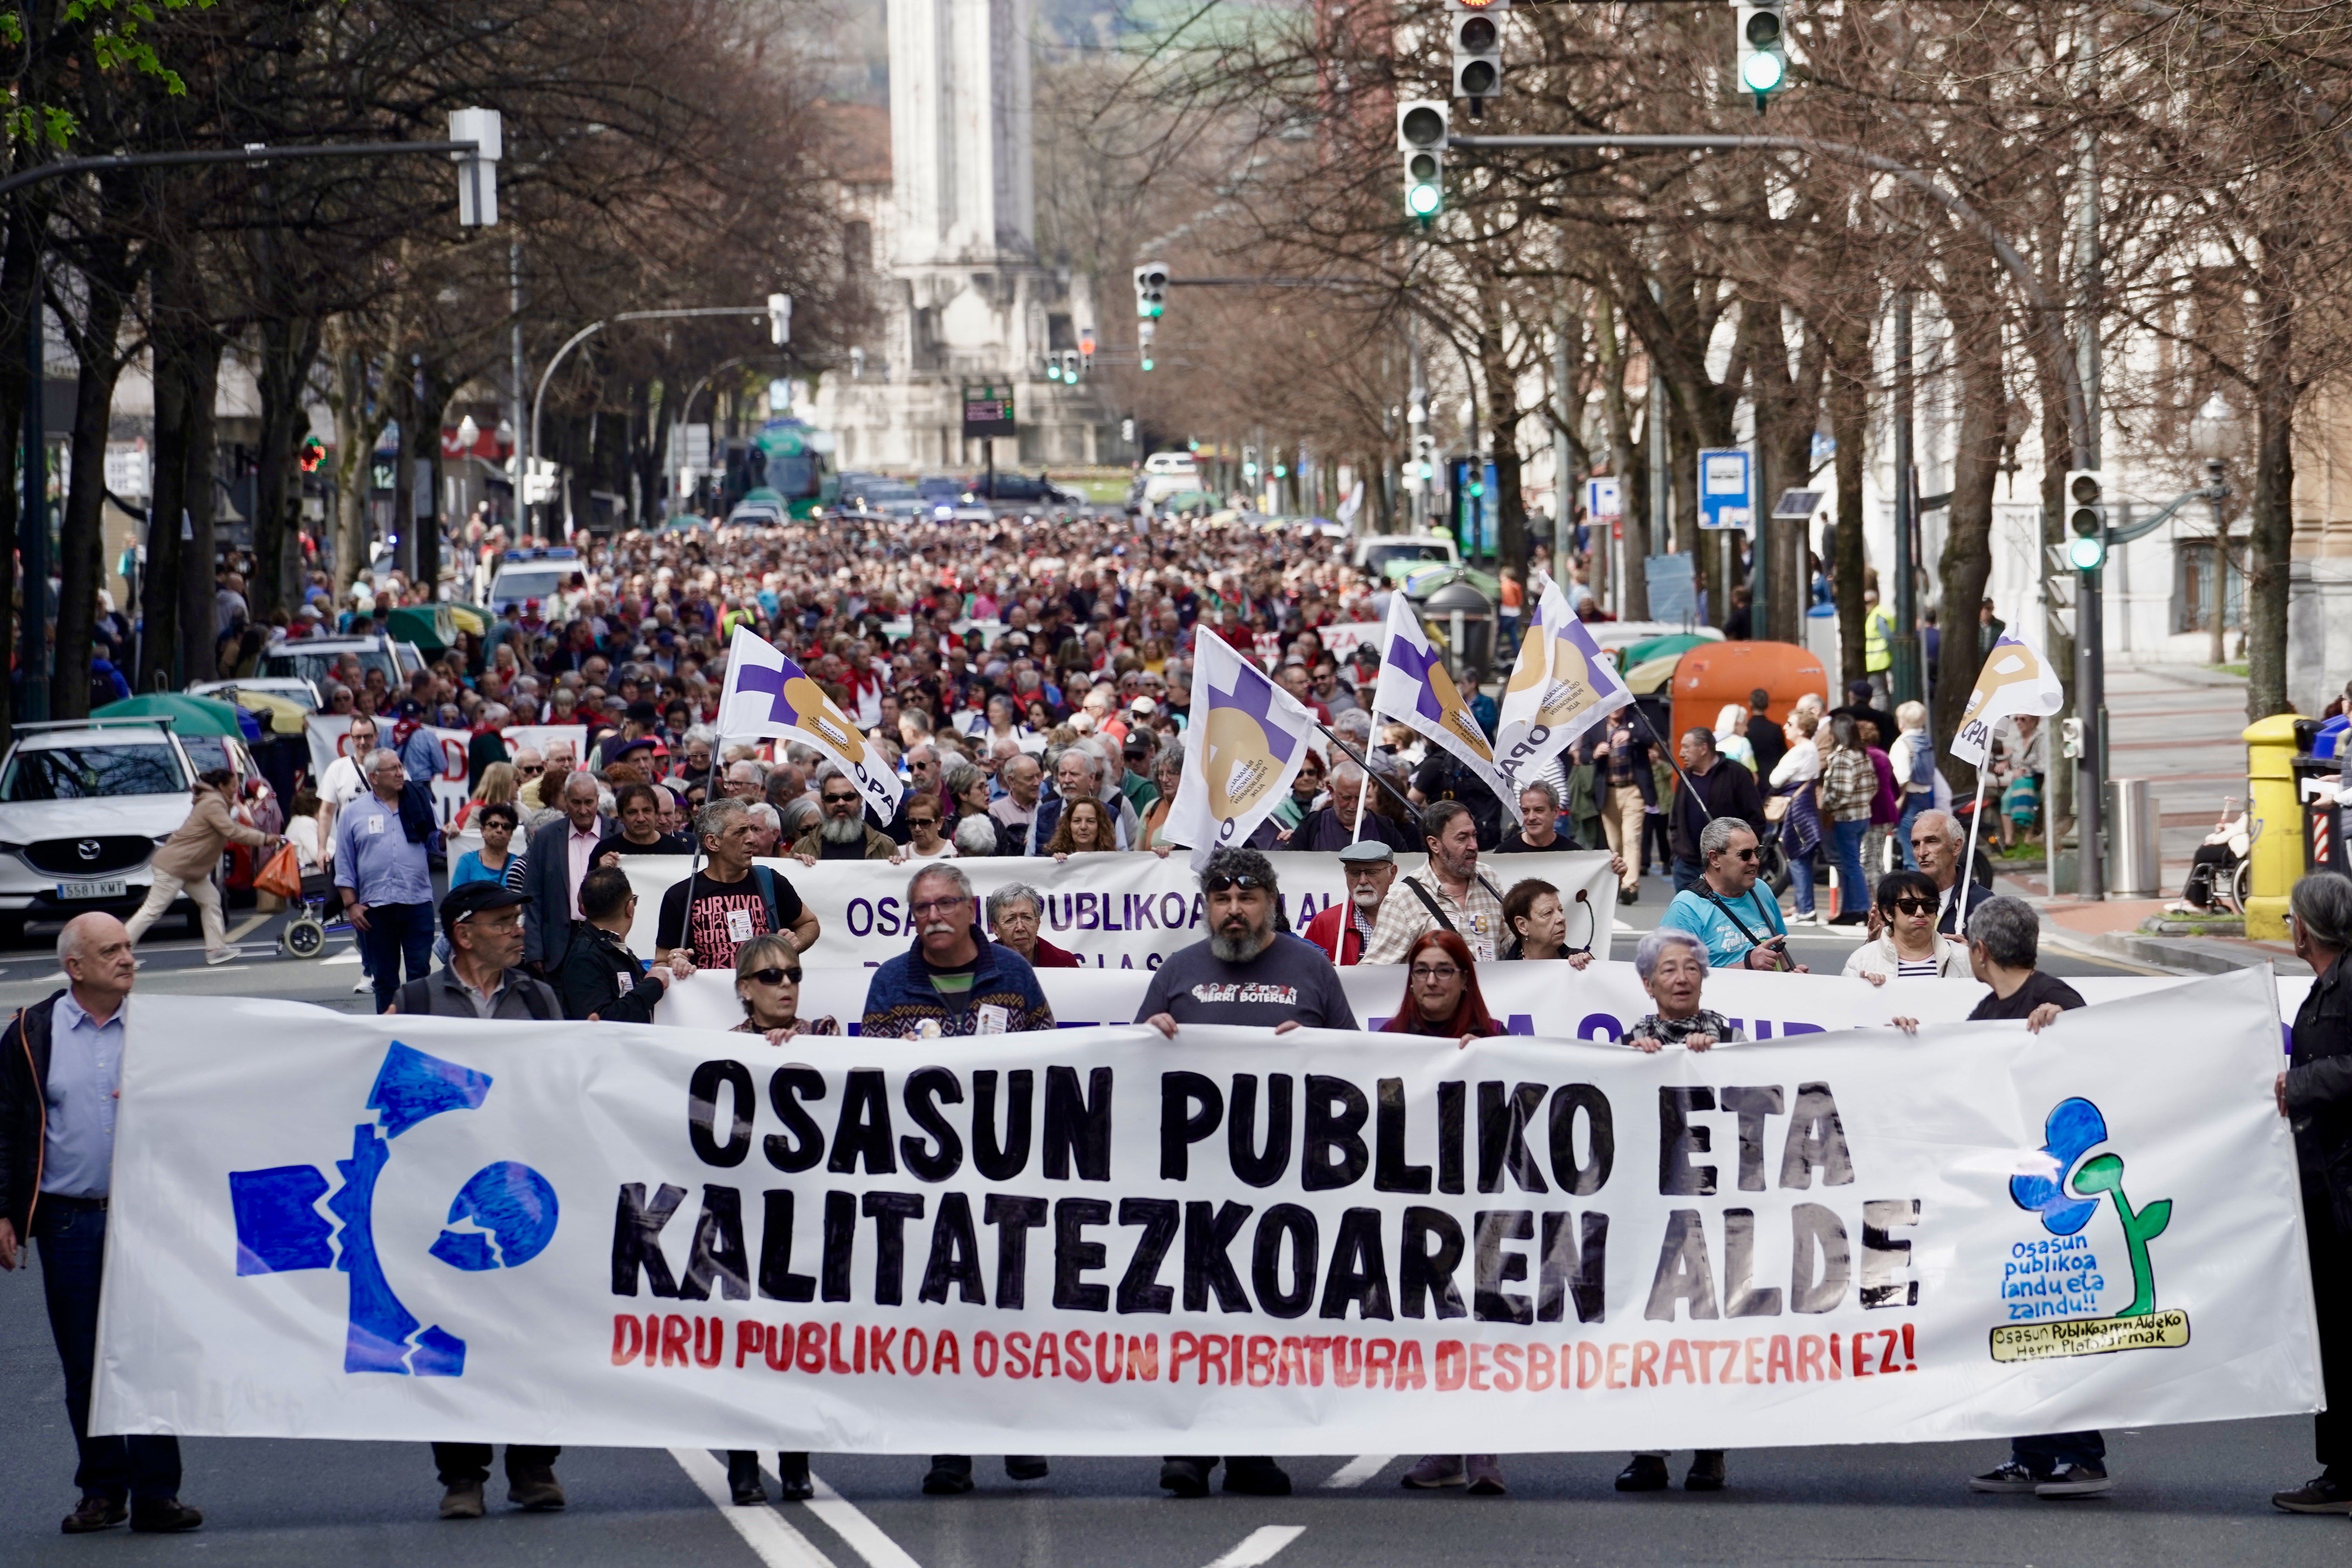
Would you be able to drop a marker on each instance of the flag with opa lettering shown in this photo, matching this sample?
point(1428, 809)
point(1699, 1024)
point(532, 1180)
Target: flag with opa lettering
point(770, 696)
point(1559, 687)
point(1247, 738)
point(2016, 679)
point(1416, 690)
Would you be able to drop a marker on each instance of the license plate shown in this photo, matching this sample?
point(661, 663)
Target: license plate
point(111, 888)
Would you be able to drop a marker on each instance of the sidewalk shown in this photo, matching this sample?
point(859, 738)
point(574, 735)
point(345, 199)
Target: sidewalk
point(2111, 929)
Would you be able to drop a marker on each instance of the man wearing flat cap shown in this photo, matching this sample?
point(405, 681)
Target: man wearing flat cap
point(1343, 928)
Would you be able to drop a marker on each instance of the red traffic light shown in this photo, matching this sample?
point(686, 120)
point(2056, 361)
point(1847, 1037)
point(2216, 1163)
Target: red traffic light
point(313, 453)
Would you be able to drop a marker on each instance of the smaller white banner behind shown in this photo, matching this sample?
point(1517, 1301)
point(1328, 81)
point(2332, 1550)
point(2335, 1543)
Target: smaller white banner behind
point(1115, 911)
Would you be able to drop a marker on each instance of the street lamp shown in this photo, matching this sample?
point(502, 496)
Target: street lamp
point(2213, 435)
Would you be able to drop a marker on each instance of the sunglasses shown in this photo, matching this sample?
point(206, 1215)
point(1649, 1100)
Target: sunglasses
point(775, 976)
point(531, 771)
point(1913, 906)
point(922, 821)
point(1245, 882)
point(840, 799)
point(1748, 854)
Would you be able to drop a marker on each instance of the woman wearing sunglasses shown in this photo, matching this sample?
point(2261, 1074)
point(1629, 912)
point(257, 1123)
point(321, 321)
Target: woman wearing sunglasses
point(1908, 946)
point(1442, 999)
point(768, 983)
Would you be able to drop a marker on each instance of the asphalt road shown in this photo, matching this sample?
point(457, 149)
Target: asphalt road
point(2185, 1495)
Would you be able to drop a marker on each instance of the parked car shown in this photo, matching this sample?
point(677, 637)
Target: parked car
point(527, 574)
point(314, 659)
point(1167, 475)
point(84, 805)
point(1020, 488)
point(1378, 555)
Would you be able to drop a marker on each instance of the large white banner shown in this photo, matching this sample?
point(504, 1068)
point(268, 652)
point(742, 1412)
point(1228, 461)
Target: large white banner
point(1120, 910)
point(1098, 1241)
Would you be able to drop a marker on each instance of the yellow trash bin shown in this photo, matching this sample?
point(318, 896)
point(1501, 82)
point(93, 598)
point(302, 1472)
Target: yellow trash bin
point(2274, 824)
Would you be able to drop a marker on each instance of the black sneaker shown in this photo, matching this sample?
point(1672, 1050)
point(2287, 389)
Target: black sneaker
point(792, 1483)
point(2321, 1494)
point(2073, 1481)
point(1706, 1472)
point(1183, 1477)
point(1256, 1478)
point(163, 1518)
point(1645, 1473)
point(948, 1477)
point(1025, 1467)
point(2011, 1479)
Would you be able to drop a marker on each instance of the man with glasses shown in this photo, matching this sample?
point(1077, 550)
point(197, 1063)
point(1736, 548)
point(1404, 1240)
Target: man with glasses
point(483, 924)
point(1937, 843)
point(843, 833)
point(601, 980)
point(1739, 923)
point(715, 912)
point(386, 878)
point(953, 981)
point(1246, 973)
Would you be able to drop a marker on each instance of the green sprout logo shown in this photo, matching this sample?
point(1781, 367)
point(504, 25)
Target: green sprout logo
point(2074, 1128)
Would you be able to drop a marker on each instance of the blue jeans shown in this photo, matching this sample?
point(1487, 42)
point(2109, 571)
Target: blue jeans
point(1801, 877)
point(1854, 888)
point(1912, 805)
point(2045, 1454)
point(396, 932)
point(146, 1468)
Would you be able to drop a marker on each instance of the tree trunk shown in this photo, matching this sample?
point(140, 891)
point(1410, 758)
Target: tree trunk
point(1503, 439)
point(287, 347)
point(1849, 411)
point(430, 412)
point(359, 420)
point(1632, 478)
point(2270, 533)
point(198, 553)
point(79, 549)
point(1968, 543)
point(19, 279)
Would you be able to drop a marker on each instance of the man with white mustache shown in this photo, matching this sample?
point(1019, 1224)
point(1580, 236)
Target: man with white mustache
point(1343, 928)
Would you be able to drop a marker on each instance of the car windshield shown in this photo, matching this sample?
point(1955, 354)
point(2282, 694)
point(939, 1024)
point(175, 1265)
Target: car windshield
point(318, 668)
point(517, 584)
point(1380, 555)
point(92, 771)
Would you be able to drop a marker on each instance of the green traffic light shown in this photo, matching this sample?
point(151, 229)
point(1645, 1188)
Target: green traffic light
point(1422, 201)
point(2087, 551)
point(1477, 488)
point(1281, 472)
point(1763, 71)
point(1147, 364)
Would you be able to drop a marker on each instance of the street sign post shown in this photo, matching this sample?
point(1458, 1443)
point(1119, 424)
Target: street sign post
point(1725, 488)
point(988, 411)
point(1603, 497)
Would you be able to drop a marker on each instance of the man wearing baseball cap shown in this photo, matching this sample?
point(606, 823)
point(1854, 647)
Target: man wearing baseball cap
point(483, 922)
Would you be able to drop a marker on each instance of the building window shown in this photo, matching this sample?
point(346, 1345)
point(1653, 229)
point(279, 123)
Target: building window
point(2192, 587)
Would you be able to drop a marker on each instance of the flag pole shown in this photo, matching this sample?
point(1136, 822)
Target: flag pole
point(1364, 762)
point(1968, 864)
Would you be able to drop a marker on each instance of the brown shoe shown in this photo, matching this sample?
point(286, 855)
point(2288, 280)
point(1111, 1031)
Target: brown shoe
point(463, 1500)
point(536, 1488)
point(163, 1518)
point(95, 1511)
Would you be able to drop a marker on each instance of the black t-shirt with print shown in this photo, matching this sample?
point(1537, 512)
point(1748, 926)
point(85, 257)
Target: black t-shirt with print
point(726, 915)
point(2038, 988)
point(1292, 981)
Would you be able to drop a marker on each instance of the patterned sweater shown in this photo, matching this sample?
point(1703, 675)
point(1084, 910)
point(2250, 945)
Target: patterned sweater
point(902, 1003)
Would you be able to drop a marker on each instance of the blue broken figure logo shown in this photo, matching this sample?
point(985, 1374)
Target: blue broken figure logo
point(2073, 1129)
point(510, 1207)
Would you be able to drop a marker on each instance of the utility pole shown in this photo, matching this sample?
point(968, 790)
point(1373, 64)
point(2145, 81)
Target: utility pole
point(2090, 664)
point(1563, 492)
point(1904, 644)
point(522, 453)
point(1416, 414)
point(1659, 466)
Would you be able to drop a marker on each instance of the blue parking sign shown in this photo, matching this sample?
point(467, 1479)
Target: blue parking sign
point(1726, 487)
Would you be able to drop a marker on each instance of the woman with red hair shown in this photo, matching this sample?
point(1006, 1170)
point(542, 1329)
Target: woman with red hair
point(1441, 998)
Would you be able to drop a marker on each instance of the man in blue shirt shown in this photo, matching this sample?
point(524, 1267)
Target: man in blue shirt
point(1739, 922)
point(60, 1071)
point(387, 879)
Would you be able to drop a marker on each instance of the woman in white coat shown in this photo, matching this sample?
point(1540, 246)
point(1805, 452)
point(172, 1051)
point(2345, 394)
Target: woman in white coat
point(1908, 946)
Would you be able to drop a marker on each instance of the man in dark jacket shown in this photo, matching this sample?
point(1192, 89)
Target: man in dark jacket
point(559, 855)
point(60, 1069)
point(601, 980)
point(483, 921)
point(1766, 738)
point(1723, 789)
point(2314, 1093)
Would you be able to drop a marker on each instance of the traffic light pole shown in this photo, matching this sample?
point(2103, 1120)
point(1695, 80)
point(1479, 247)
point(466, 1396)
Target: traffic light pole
point(1905, 644)
point(2076, 359)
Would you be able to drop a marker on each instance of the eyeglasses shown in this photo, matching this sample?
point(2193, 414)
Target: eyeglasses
point(1245, 882)
point(531, 770)
point(832, 799)
point(930, 907)
point(922, 821)
point(1748, 854)
point(1913, 906)
point(1434, 971)
point(775, 976)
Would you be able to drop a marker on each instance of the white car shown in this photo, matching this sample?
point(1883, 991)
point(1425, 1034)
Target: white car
point(1167, 474)
point(83, 807)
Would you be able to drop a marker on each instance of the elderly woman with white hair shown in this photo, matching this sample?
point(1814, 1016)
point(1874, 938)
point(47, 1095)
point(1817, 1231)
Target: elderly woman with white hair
point(1671, 964)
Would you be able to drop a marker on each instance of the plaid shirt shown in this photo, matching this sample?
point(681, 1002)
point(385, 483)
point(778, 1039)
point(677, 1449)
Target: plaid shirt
point(1477, 919)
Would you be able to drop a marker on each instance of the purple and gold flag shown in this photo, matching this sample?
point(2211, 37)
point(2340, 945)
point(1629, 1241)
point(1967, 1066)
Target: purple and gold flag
point(770, 696)
point(1246, 740)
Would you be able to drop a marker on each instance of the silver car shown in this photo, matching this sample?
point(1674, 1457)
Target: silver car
point(83, 807)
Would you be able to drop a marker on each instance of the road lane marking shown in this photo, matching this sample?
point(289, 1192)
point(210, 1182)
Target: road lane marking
point(243, 926)
point(1259, 1545)
point(864, 1537)
point(1360, 1470)
point(768, 1534)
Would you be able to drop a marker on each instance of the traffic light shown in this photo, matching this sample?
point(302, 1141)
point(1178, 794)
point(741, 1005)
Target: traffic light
point(1143, 344)
point(780, 318)
point(1424, 455)
point(1249, 463)
point(1151, 290)
point(1763, 49)
point(2086, 518)
point(1070, 366)
point(1086, 350)
point(313, 452)
point(1422, 131)
point(1475, 27)
point(1053, 367)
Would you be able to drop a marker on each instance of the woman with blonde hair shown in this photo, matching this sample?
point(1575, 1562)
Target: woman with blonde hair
point(499, 783)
